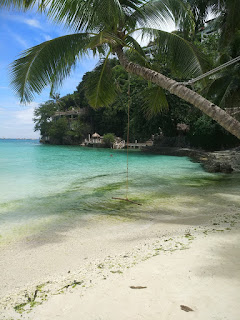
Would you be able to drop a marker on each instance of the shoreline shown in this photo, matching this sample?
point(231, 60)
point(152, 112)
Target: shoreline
point(224, 161)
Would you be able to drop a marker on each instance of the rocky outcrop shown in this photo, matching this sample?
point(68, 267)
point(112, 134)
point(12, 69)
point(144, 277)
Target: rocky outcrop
point(226, 161)
point(223, 161)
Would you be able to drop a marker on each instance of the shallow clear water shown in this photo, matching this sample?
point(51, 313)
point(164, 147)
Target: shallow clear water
point(42, 186)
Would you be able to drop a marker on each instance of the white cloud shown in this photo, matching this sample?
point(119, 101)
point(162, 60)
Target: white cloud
point(16, 121)
point(30, 21)
point(25, 115)
point(33, 23)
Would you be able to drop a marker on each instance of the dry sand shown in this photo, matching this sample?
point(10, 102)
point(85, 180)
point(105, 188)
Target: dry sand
point(204, 278)
point(86, 272)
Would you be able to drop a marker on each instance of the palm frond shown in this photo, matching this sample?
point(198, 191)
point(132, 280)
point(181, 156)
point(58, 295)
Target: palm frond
point(220, 89)
point(158, 13)
point(46, 64)
point(227, 21)
point(100, 89)
point(226, 95)
point(182, 15)
point(20, 4)
point(87, 15)
point(151, 12)
point(155, 101)
point(135, 48)
point(25, 5)
point(184, 58)
point(104, 37)
point(131, 42)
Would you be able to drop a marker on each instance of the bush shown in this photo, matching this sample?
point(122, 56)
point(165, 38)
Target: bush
point(209, 135)
point(109, 139)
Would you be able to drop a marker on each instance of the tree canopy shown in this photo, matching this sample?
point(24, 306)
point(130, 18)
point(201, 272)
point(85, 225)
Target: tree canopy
point(203, 133)
point(107, 27)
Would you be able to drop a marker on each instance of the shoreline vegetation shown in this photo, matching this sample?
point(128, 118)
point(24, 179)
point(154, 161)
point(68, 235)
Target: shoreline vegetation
point(176, 130)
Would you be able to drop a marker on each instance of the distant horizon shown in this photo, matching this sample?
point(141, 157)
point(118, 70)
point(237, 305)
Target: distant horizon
point(3, 138)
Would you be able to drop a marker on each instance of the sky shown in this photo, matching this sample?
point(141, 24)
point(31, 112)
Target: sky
point(20, 31)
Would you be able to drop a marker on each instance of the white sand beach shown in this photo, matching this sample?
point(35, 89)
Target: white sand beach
point(87, 272)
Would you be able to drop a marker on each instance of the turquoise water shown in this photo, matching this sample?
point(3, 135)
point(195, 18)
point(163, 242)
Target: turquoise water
point(43, 185)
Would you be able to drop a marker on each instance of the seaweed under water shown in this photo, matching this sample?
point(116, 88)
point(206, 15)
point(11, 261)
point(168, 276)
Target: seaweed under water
point(46, 186)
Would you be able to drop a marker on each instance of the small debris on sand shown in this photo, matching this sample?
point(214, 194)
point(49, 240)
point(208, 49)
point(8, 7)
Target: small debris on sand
point(185, 308)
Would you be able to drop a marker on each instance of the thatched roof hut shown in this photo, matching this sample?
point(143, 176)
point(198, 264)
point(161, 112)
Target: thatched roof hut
point(96, 135)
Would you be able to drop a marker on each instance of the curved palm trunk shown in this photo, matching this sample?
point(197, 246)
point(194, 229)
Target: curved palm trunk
point(213, 111)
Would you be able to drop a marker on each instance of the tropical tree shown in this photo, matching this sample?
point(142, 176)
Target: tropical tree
point(58, 129)
point(43, 117)
point(223, 45)
point(106, 27)
point(227, 21)
point(224, 87)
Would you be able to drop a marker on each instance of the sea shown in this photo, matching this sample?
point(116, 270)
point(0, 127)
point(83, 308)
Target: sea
point(46, 185)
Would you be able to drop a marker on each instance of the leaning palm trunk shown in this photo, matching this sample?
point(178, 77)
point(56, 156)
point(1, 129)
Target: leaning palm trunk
point(219, 115)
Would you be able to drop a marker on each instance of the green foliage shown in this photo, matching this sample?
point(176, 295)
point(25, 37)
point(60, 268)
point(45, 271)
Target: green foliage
point(48, 63)
point(223, 88)
point(100, 87)
point(79, 129)
point(108, 139)
point(43, 115)
point(59, 129)
point(183, 58)
point(204, 132)
point(99, 26)
point(156, 101)
point(209, 45)
point(102, 27)
point(208, 135)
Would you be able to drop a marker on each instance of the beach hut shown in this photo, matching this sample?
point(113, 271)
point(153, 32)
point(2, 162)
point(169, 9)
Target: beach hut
point(96, 138)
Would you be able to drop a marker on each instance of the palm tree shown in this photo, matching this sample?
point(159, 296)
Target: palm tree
point(228, 20)
point(106, 27)
point(224, 87)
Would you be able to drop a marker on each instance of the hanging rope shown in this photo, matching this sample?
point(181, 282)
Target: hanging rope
point(128, 130)
point(211, 71)
point(128, 126)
